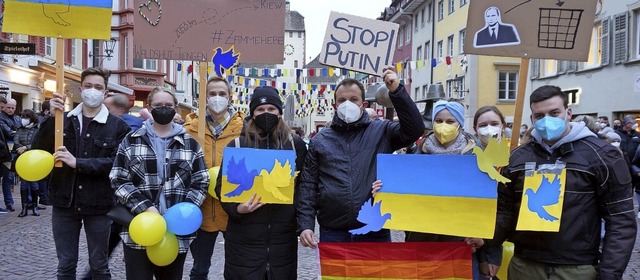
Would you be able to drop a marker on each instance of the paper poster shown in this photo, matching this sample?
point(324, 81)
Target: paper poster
point(542, 200)
point(269, 174)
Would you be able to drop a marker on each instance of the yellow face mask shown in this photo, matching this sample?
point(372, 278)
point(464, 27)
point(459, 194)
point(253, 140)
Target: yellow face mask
point(445, 132)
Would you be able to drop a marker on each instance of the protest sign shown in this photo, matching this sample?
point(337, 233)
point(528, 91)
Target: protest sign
point(359, 44)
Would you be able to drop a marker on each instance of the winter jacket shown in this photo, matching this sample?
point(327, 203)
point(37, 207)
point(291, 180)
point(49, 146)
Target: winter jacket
point(135, 179)
point(598, 186)
point(24, 137)
point(213, 217)
point(341, 163)
point(262, 244)
point(9, 125)
point(85, 188)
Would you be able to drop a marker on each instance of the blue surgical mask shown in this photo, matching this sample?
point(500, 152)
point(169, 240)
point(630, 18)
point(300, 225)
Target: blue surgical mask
point(550, 128)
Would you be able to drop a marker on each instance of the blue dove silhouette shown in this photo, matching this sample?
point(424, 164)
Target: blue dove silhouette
point(224, 60)
point(370, 216)
point(548, 194)
point(237, 174)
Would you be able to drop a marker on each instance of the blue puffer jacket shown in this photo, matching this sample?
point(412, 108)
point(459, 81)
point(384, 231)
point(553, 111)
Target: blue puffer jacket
point(341, 163)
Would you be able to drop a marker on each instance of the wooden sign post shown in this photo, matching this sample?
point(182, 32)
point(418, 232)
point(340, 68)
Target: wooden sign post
point(60, 89)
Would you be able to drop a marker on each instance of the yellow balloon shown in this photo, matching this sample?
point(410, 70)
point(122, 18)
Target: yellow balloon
point(34, 165)
point(165, 252)
point(213, 178)
point(147, 228)
point(507, 254)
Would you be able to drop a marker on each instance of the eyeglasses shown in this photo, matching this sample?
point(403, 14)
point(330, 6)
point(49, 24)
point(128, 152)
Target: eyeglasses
point(159, 105)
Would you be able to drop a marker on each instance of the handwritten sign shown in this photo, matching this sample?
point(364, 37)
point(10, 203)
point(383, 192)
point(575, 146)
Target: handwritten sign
point(192, 30)
point(550, 29)
point(358, 43)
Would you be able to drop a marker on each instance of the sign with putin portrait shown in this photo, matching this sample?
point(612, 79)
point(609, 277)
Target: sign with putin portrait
point(548, 29)
point(359, 44)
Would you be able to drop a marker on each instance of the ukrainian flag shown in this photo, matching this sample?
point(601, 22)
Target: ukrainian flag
point(442, 194)
point(81, 19)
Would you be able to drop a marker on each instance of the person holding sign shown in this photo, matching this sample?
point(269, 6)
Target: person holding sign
point(261, 242)
point(339, 170)
point(158, 166)
point(597, 185)
point(224, 124)
point(80, 190)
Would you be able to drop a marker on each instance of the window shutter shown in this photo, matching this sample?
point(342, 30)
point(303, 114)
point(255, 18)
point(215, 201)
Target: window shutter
point(67, 51)
point(572, 66)
point(620, 38)
point(561, 67)
point(535, 68)
point(605, 42)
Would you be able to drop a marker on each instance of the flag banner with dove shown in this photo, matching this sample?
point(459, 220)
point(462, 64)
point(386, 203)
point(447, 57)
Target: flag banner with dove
point(443, 194)
point(415, 260)
point(542, 200)
point(269, 174)
point(82, 19)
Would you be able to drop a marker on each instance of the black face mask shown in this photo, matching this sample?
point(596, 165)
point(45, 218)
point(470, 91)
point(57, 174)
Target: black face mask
point(266, 121)
point(616, 127)
point(163, 115)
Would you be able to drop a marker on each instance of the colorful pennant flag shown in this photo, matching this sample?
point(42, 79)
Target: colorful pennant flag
point(412, 260)
point(81, 19)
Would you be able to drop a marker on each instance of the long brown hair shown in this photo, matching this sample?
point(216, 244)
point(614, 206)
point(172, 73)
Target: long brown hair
point(279, 136)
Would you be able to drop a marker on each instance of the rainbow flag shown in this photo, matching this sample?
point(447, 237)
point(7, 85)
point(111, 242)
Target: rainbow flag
point(413, 260)
point(443, 194)
point(82, 19)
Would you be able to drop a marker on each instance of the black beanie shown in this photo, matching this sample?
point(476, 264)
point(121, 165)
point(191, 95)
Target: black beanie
point(265, 95)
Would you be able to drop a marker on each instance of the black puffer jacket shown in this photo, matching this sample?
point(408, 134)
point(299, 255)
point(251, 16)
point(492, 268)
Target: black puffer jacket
point(598, 186)
point(262, 244)
point(341, 164)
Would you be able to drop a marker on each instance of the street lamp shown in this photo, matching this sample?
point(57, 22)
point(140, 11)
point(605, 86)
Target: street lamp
point(109, 46)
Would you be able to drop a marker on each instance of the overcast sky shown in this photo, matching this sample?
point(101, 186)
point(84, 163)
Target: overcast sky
point(316, 14)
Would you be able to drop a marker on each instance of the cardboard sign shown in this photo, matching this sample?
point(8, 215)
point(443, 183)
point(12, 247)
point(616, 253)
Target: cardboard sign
point(192, 30)
point(550, 29)
point(358, 43)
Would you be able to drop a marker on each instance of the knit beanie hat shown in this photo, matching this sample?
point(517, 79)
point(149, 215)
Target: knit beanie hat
point(265, 95)
point(456, 109)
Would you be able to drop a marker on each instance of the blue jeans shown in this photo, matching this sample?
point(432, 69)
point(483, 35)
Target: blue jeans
point(330, 235)
point(202, 249)
point(7, 182)
point(31, 186)
point(66, 226)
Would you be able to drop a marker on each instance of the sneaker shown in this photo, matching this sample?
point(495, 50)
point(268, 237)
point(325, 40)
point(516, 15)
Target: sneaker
point(10, 208)
point(3, 211)
point(45, 202)
point(41, 207)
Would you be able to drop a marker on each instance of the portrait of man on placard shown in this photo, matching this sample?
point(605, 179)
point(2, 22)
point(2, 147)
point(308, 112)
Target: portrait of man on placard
point(495, 33)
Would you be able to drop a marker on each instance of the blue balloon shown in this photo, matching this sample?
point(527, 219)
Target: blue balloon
point(183, 218)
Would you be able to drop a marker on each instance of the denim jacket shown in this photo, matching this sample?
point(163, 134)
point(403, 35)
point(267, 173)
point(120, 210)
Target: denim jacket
point(86, 188)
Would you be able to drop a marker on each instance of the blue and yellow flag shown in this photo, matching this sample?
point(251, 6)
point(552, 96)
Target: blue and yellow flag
point(269, 174)
point(81, 19)
point(542, 200)
point(443, 194)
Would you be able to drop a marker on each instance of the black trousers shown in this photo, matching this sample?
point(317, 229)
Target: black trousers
point(139, 267)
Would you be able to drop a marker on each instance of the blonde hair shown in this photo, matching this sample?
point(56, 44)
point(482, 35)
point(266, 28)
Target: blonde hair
point(160, 89)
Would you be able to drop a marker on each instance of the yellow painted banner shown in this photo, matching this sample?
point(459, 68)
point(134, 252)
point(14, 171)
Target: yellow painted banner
point(542, 200)
point(81, 19)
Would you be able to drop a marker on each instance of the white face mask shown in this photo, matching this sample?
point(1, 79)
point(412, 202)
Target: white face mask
point(217, 104)
point(349, 112)
point(603, 125)
point(490, 131)
point(26, 122)
point(92, 97)
point(615, 144)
